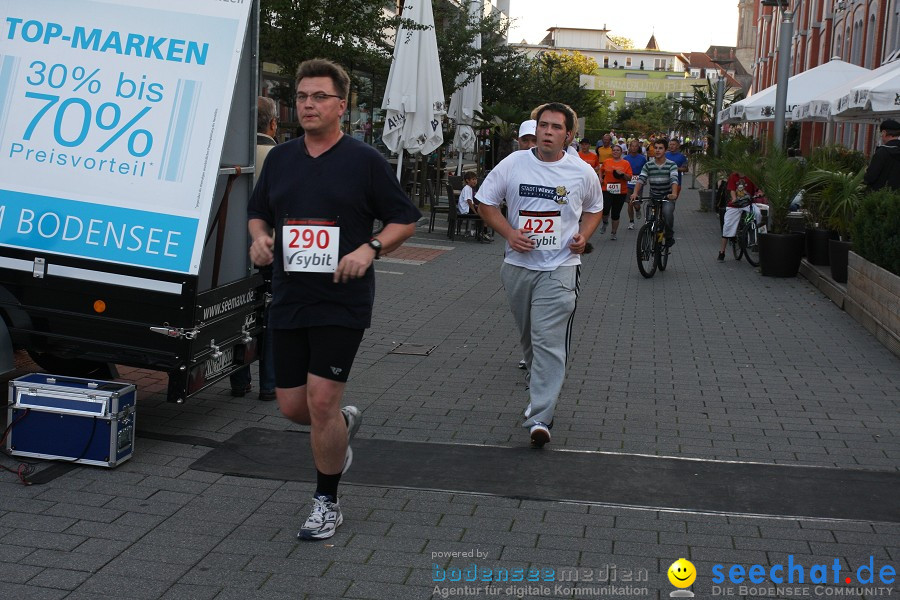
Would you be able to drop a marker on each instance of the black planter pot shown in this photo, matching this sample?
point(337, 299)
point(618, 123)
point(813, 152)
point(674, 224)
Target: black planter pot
point(817, 245)
point(838, 254)
point(780, 254)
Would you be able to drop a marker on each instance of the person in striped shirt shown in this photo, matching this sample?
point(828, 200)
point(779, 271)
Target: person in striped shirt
point(662, 176)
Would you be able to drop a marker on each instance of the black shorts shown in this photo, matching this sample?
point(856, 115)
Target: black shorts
point(327, 352)
point(612, 204)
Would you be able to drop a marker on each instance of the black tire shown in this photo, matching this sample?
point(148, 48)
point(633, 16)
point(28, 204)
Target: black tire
point(663, 256)
point(750, 243)
point(646, 251)
point(737, 243)
point(72, 367)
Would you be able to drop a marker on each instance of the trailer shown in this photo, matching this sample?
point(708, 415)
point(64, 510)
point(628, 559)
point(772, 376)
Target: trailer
point(127, 146)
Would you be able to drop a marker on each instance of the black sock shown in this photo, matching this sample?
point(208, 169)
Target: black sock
point(327, 485)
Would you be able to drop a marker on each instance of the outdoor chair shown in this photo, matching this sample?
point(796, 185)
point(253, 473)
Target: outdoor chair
point(435, 204)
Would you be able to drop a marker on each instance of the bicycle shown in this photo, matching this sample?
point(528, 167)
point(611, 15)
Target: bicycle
point(652, 251)
point(745, 243)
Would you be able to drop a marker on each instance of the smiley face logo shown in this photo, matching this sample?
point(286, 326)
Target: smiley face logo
point(682, 573)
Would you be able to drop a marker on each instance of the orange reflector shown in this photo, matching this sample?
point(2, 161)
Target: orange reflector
point(99, 306)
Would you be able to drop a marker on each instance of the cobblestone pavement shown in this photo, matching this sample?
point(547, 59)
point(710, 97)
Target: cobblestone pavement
point(705, 361)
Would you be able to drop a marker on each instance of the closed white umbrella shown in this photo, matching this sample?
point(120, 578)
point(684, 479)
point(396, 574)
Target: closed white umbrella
point(465, 101)
point(414, 97)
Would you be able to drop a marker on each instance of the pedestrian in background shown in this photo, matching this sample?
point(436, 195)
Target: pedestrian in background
point(884, 168)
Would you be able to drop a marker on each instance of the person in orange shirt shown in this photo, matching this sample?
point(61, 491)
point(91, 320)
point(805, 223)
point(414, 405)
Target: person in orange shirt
point(615, 173)
point(586, 154)
point(604, 148)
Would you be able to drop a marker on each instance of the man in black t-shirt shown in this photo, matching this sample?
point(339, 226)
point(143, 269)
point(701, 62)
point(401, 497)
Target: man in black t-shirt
point(311, 216)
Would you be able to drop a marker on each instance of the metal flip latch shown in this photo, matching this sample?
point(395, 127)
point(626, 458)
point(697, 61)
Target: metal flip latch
point(40, 267)
point(175, 332)
point(216, 353)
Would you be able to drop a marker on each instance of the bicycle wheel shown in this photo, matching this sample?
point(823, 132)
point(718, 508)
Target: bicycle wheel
point(662, 256)
point(646, 256)
point(750, 242)
point(737, 246)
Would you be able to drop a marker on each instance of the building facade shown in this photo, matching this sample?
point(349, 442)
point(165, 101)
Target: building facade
point(862, 32)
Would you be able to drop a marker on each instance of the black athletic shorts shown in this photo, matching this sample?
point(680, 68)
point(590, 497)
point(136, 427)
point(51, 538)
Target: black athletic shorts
point(323, 351)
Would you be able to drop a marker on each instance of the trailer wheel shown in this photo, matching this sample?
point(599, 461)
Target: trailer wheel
point(73, 367)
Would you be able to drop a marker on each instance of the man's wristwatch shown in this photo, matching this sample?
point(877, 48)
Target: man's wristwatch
point(375, 245)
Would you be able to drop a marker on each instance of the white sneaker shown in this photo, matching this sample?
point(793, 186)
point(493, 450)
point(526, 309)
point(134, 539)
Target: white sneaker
point(354, 419)
point(540, 435)
point(522, 364)
point(612, 237)
point(603, 228)
point(631, 226)
point(322, 521)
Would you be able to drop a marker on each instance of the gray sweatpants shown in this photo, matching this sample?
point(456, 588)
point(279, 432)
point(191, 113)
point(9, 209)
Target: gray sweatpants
point(543, 306)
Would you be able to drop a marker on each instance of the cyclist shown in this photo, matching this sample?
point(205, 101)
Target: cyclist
point(741, 191)
point(662, 176)
point(637, 160)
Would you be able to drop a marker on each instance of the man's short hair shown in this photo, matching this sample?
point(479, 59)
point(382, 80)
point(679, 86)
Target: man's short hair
point(266, 110)
point(662, 141)
point(469, 175)
point(890, 127)
point(320, 67)
point(559, 107)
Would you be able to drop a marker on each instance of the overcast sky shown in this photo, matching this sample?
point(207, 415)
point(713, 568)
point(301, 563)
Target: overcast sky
point(680, 25)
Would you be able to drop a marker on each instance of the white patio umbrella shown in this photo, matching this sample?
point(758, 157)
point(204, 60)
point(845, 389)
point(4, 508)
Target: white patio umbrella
point(734, 113)
point(465, 101)
point(802, 88)
point(823, 106)
point(414, 97)
point(873, 99)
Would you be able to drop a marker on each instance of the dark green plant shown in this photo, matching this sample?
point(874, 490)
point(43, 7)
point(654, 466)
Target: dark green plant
point(739, 154)
point(837, 158)
point(832, 198)
point(780, 178)
point(876, 229)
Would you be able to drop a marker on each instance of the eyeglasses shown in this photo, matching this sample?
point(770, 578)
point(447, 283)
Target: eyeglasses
point(317, 98)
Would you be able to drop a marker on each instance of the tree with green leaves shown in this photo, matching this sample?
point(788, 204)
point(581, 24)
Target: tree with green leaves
point(697, 114)
point(354, 33)
point(556, 77)
point(646, 116)
point(624, 43)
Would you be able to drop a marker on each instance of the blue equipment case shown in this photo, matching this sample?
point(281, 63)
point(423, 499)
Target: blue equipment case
point(83, 421)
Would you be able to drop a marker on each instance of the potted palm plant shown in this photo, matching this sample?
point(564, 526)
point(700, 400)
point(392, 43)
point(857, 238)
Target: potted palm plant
point(845, 192)
point(826, 188)
point(780, 179)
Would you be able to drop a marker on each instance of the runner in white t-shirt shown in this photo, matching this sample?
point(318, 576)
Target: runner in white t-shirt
point(554, 205)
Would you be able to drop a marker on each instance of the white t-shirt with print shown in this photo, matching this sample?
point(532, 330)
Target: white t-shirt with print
point(462, 207)
point(568, 186)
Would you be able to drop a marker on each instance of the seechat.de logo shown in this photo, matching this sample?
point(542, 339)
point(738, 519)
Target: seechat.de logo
point(867, 573)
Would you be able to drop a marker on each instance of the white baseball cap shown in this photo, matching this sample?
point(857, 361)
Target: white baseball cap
point(528, 128)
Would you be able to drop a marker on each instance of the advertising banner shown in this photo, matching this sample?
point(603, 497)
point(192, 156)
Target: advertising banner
point(112, 120)
point(623, 84)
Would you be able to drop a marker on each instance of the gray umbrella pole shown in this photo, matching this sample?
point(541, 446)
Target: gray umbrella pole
point(399, 162)
point(459, 166)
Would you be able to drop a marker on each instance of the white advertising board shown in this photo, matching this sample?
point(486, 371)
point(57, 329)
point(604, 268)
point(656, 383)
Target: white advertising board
point(112, 120)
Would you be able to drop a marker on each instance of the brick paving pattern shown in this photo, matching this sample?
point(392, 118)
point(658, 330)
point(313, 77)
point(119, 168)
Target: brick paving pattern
point(704, 361)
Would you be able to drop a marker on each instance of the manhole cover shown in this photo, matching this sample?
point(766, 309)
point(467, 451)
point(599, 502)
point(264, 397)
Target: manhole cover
point(414, 349)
